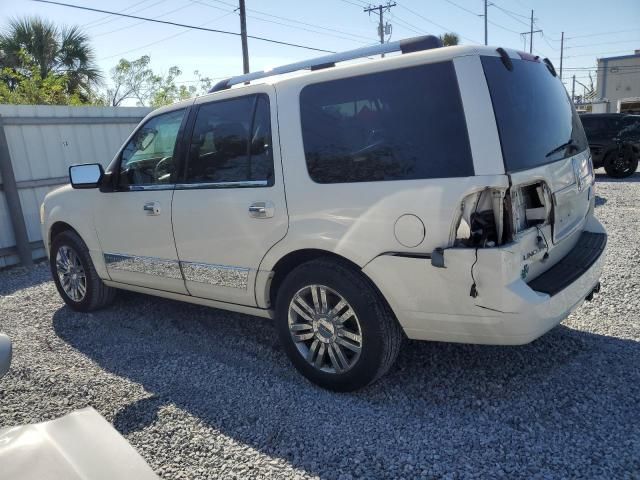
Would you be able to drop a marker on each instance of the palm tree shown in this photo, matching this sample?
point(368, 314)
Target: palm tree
point(52, 50)
point(449, 39)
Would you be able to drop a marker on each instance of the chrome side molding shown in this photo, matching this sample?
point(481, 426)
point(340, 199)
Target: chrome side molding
point(217, 275)
point(146, 265)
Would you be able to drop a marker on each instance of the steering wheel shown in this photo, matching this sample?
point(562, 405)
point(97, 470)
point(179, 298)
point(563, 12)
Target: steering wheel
point(158, 173)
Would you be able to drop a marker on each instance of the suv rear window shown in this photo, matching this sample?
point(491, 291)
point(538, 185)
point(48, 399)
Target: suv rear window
point(397, 125)
point(533, 113)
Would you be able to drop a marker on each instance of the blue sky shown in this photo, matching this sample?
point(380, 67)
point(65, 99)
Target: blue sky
point(593, 28)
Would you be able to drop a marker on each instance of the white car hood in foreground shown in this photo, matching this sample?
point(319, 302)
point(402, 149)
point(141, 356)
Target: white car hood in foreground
point(80, 445)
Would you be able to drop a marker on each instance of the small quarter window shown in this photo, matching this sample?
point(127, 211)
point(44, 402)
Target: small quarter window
point(148, 158)
point(231, 143)
point(402, 124)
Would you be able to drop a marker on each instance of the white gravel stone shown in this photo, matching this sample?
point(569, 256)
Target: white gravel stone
point(203, 393)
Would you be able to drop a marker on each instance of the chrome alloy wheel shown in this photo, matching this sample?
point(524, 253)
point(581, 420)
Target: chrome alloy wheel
point(71, 274)
point(325, 329)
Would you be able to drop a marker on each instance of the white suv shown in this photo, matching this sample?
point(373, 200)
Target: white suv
point(440, 193)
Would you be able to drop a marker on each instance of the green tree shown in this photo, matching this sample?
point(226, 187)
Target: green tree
point(32, 89)
point(62, 52)
point(130, 79)
point(136, 80)
point(449, 39)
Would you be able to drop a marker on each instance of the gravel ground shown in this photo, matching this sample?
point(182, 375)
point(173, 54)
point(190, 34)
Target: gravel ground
point(202, 393)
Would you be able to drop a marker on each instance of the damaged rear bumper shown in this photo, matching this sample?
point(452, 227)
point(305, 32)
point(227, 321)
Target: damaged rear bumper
point(434, 303)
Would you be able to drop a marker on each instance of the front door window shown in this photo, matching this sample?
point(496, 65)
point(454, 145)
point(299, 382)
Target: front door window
point(148, 158)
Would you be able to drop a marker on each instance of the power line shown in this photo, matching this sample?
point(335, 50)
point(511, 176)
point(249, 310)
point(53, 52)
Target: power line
point(596, 54)
point(99, 21)
point(359, 5)
point(619, 67)
point(530, 33)
point(462, 8)
point(603, 43)
point(112, 19)
point(602, 33)
point(444, 28)
point(510, 11)
point(407, 25)
point(544, 37)
point(270, 15)
point(138, 23)
point(503, 27)
point(479, 15)
point(175, 24)
point(382, 27)
point(163, 39)
point(510, 14)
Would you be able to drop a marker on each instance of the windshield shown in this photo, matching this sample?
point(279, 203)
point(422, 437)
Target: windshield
point(536, 121)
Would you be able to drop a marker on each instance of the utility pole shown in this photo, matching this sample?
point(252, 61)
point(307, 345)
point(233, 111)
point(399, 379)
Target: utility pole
point(530, 33)
point(243, 36)
point(381, 9)
point(573, 90)
point(486, 35)
point(561, 53)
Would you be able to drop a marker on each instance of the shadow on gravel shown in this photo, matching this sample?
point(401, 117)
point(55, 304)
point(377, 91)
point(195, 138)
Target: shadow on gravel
point(570, 395)
point(16, 278)
point(600, 201)
point(603, 177)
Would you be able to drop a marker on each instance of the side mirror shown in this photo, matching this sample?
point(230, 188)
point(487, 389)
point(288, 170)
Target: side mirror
point(86, 176)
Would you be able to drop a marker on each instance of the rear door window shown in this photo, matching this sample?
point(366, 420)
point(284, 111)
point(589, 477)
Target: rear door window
point(397, 125)
point(231, 143)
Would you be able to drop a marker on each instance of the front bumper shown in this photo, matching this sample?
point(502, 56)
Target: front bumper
point(434, 303)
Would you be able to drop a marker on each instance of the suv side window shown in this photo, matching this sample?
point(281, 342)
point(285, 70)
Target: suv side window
point(231, 143)
point(591, 125)
point(148, 158)
point(397, 125)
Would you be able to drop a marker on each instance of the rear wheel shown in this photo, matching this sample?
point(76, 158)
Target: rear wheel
point(621, 163)
point(75, 276)
point(335, 327)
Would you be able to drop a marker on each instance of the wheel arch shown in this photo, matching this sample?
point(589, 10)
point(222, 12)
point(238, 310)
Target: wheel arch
point(293, 259)
point(86, 234)
point(57, 228)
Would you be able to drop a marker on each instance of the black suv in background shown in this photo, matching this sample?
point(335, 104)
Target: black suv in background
point(614, 140)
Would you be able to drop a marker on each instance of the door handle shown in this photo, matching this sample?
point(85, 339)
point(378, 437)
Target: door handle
point(152, 208)
point(261, 210)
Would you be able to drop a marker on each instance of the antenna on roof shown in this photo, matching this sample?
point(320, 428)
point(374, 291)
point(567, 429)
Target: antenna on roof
point(408, 45)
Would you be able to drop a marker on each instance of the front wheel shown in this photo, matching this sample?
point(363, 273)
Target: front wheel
point(75, 276)
point(622, 163)
point(335, 327)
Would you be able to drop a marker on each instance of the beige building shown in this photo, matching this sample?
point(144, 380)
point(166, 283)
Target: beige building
point(619, 83)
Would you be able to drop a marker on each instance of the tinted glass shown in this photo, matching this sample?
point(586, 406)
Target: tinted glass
point(231, 142)
point(396, 125)
point(592, 126)
point(533, 113)
point(148, 158)
point(630, 130)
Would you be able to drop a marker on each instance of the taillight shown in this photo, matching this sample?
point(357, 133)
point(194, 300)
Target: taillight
point(530, 206)
point(480, 220)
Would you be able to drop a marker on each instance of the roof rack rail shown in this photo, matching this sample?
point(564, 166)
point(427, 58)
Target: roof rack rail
point(408, 45)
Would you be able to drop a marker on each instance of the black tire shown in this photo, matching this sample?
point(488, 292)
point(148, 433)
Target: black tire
point(97, 295)
point(380, 332)
point(621, 164)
